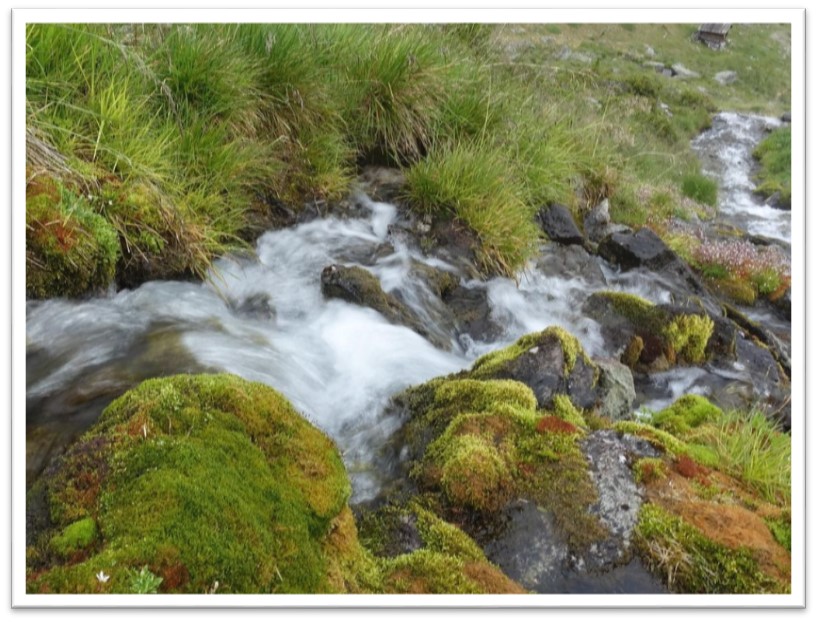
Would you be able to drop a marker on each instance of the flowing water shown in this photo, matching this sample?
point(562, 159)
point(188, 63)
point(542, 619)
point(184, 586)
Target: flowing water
point(264, 318)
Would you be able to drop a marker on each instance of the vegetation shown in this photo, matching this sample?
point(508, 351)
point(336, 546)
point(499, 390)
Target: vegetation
point(774, 154)
point(183, 138)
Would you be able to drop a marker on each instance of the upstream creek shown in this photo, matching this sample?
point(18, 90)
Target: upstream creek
point(263, 317)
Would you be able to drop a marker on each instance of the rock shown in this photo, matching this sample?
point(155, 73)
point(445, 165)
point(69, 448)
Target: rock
point(609, 456)
point(726, 77)
point(786, 117)
point(683, 73)
point(782, 305)
point(597, 223)
point(667, 72)
point(192, 475)
point(648, 50)
point(654, 65)
point(558, 224)
point(644, 249)
point(570, 262)
point(632, 250)
point(471, 313)
point(383, 183)
point(616, 390)
point(257, 306)
point(551, 363)
point(359, 286)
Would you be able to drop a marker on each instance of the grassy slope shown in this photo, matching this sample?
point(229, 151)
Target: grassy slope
point(179, 136)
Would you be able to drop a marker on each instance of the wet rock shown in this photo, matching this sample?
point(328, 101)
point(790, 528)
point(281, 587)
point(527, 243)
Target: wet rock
point(471, 313)
point(551, 363)
point(782, 305)
point(570, 262)
point(683, 73)
point(383, 183)
point(558, 224)
point(597, 223)
point(609, 456)
point(726, 77)
point(786, 117)
point(257, 307)
point(359, 286)
point(616, 390)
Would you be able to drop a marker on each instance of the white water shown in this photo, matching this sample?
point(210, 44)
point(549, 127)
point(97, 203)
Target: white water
point(726, 153)
point(338, 363)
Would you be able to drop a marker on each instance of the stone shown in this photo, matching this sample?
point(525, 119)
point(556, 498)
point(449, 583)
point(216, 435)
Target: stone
point(597, 223)
point(616, 390)
point(683, 73)
point(786, 117)
point(571, 262)
point(632, 250)
point(648, 50)
point(558, 224)
point(726, 77)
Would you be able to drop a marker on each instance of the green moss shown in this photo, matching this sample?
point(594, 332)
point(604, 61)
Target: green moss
point(688, 336)
point(70, 250)
point(494, 362)
point(781, 530)
point(692, 563)
point(564, 409)
point(689, 411)
point(475, 475)
point(640, 312)
point(202, 479)
point(75, 537)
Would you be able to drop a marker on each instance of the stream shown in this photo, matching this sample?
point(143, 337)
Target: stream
point(263, 317)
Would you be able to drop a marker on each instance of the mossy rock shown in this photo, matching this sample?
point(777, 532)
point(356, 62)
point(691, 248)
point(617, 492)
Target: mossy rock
point(205, 480)
point(70, 249)
point(652, 337)
point(551, 362)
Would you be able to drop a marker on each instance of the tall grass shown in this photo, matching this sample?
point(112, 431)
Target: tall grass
point(753, 450)
point(774, 153)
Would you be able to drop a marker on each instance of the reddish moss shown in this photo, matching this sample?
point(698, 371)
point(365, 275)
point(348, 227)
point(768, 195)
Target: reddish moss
point(550, 424)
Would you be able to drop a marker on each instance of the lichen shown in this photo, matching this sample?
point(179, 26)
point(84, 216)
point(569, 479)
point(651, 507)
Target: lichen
point(692, 563)
point(205, 479)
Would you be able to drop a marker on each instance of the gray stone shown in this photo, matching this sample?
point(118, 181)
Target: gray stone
point(726, 77)
point(597, 223)
point(786, 117)
point(631, 250)
point(616, 390)
point(683, 73)
point(570, 262)
point(648, 50)
point(609, 456)
point(558, 224)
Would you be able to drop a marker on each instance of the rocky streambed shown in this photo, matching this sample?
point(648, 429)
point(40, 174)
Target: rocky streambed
point(489, 425)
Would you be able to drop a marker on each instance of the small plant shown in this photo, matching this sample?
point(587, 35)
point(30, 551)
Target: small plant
point(144, 582)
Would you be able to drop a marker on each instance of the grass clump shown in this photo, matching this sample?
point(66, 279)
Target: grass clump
point(700, 188)
point(203, 479)
point(473, 183)
point(753, 450)
point(774, 155)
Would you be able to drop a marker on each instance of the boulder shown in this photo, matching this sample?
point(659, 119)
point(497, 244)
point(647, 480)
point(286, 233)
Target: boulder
point(726, 77)
point(683, 73)
point(558, 224)
point(570, 262)
point(616, 390)
point(197, 484)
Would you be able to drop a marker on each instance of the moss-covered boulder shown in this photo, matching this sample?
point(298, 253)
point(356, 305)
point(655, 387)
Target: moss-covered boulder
point(211, 483)
point(551, 363)
point(652, 337)
point(70, 249)
point(421, 553)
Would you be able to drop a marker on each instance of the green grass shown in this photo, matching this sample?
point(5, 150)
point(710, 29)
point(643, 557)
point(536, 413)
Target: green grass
point(180, 133)
point(774, 154)
point(700, 188)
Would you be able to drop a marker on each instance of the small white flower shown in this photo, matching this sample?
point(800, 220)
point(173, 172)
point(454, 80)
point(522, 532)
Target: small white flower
point(102, 577)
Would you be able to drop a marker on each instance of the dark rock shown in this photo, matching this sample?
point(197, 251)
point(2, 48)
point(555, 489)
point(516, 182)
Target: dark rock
point(782, 305)
point(541, 365)
point(616, 389)
point(257, 306)
point(359, 286)
point(786, 117)
point(471, 312)
point(631, 250)
point(557, 222)
point(383, 183)
point(570, 262)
